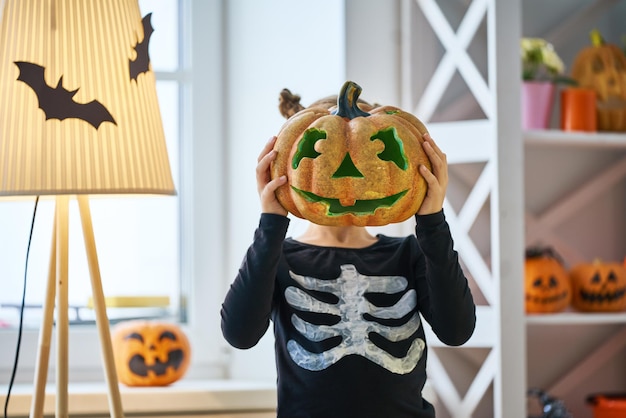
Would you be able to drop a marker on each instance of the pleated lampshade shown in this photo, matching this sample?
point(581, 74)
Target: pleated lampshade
point(78, 107)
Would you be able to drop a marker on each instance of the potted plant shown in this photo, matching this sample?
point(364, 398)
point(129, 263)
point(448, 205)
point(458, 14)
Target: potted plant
point(542, 69)
point(540, 62)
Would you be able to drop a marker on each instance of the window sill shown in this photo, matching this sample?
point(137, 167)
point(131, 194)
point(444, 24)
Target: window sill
point(184, 397)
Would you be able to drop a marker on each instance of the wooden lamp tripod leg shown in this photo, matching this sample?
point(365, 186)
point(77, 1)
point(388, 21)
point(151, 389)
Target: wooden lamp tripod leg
point(57, 276)
point(45, 333)
point(102, 321)
point(62, 322)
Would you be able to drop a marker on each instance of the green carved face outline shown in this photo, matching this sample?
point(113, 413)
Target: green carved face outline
point(360, 207)
point(393, 152)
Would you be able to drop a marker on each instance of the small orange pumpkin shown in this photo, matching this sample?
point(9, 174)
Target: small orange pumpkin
point(348, 166)
point(150, 353)
point(546, 282)
point(598, 287)
point(602, 67)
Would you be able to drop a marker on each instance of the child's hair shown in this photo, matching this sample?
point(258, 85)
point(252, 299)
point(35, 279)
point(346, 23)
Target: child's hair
point(289, 103)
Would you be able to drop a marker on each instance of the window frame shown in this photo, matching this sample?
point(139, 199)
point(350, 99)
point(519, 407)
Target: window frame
point(201, 240)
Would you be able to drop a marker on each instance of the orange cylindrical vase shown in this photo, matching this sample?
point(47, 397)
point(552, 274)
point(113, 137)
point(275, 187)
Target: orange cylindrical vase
point(578, 110)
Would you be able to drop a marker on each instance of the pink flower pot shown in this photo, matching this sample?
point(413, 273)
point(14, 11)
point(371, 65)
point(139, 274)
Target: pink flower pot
point(537, 101)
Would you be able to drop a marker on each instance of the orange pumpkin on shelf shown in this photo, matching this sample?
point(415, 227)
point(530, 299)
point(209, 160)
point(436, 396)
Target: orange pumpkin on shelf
point(546, 282)
point(349, 166)
point(602, 68)
point(150, 353)
point(599, 287)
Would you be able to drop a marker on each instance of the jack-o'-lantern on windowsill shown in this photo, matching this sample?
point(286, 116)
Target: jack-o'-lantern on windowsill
point(546, 282)
point(599, 287)
point(602, 68)
point(351, 164)
point(150, 353)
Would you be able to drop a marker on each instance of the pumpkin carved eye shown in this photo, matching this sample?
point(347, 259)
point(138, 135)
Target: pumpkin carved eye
point(167, 335)
point(394, 150)
point(597, 65)
point(306, 147)
point(134, 336)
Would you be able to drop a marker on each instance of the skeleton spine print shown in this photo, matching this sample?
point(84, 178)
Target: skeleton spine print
point(350, 288)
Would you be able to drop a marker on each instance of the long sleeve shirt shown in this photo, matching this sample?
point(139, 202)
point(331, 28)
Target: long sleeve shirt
point(349, 336)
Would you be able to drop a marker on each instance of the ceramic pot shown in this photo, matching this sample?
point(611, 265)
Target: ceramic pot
point(537, 102)
point(578, 110)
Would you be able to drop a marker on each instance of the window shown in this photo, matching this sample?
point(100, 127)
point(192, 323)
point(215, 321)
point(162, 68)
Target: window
point(137, 238)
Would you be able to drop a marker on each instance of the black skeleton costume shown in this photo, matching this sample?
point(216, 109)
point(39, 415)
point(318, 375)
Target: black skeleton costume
point(349, 339)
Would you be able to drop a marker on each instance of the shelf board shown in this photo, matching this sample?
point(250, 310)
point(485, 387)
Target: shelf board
point(576, 318)
point(582, 139)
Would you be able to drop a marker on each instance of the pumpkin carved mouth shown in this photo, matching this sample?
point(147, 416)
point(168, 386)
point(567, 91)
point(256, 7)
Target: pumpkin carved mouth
point(602, 297)
point(360, 206)
point(548, 299)
point(137, 364)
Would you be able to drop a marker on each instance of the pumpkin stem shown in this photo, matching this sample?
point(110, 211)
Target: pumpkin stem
point(347, 101)
point(596, 38)
point(547, 251)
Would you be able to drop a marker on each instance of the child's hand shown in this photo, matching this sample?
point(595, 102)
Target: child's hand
point(437, 179)
point(266, 187)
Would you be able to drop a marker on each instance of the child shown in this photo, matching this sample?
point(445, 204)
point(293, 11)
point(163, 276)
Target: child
point(346, 304)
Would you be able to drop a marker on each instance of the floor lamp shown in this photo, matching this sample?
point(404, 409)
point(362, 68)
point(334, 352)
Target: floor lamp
point(78, 116)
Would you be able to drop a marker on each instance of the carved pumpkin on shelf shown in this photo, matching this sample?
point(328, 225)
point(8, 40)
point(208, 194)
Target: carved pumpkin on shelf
point(546, 282)
point(349, 166)
point(150, 353)
point(599, 287)
point(602, 67)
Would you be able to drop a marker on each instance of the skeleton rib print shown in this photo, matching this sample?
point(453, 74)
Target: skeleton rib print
point(350, 288)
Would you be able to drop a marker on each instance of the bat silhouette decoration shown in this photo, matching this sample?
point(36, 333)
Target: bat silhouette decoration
point(141, 63)
point(58, 102)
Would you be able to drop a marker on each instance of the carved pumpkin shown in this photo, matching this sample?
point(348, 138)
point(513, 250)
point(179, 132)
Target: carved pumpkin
point(598, 287)
point(602, 67)
point(348, 166)
point(546, 282)
point(150, 353)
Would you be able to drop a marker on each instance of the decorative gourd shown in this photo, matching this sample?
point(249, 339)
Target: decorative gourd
point(150, 353)
point(346, 166)
point(546, 282)
point(602, 67)
point(598, 287)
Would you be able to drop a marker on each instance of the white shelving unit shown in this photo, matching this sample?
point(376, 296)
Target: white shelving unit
point(510, 189)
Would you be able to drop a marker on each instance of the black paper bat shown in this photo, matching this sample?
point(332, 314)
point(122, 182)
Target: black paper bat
point(58, 102)
point(141, 63)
